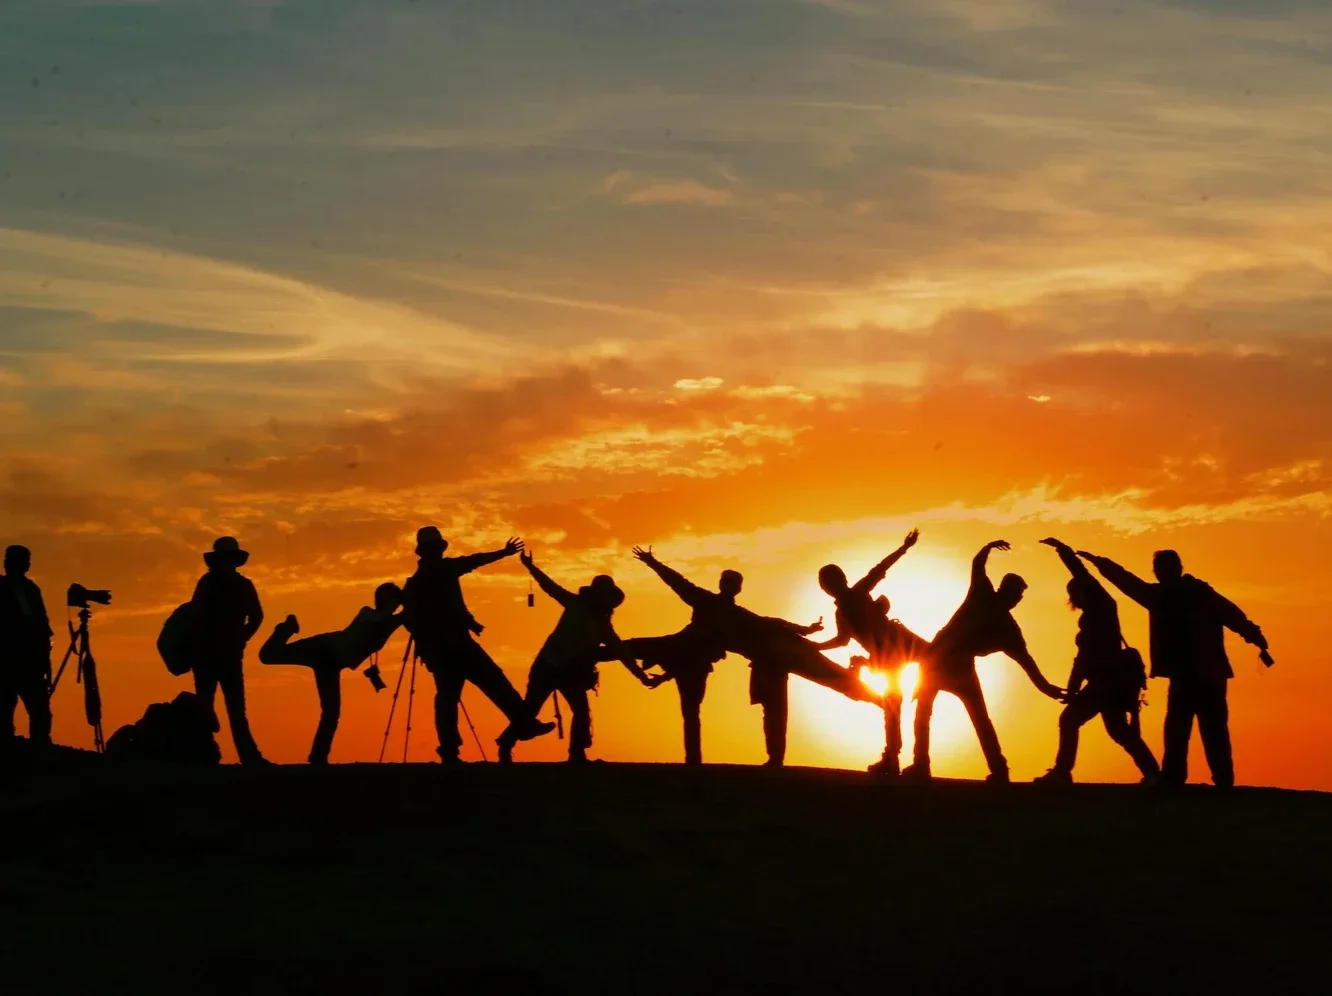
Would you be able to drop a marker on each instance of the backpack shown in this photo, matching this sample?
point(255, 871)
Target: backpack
point(1135, 679)
point(176, 642)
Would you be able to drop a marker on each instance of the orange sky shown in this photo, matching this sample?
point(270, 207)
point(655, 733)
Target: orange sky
point(761, 284)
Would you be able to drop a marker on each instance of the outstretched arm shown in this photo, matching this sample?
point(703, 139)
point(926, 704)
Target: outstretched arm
point(880, 570)
point(796, 628)
point(841, 639)
point(1142, 592)
point(1234, 619)
point(688, 592)
point(1019, 652)
point(472, 561)
point(544, 581)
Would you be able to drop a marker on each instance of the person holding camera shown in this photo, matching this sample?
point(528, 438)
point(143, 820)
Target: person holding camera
point(1107, 677)
point(445, 634)
point(329, 654)
point(25, 650)
point(226, 616)
point(1187, 620)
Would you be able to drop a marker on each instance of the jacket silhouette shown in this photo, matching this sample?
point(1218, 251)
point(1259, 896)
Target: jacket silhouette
point(982, 625)
point(774, 647)
point(25, 650)
point(890, 645)
point(329, 654)
point(567, 662)
point(1106, 679)
point(444, 632)
point(226, 615)
point(1187, 620)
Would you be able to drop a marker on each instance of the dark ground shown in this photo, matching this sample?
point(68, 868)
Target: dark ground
point(638, 878)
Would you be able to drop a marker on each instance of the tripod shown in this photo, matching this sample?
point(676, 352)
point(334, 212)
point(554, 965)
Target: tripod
point(85, 673)
point(410, 651)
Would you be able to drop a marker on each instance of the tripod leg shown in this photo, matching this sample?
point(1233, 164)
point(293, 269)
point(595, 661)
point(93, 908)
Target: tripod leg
point(468, 716)
point(411, 698)
point(393, 707)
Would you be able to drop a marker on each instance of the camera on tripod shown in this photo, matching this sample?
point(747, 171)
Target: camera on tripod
point(79, 597)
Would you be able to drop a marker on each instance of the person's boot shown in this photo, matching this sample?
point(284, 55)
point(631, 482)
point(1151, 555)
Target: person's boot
point(448, 758)
point(505, 751)
point(887, 766)
point(917, 773)
point(578, 755)
point(1054, 777)
point(531, 729)
point(1151, 780)
point(999, 777)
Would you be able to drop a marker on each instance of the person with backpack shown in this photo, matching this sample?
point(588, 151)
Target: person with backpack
point(329, 654)
point(25, 650)
point(567, 662)
point(890, 645)
point(225, 616)
point(1107, 679)
point(1187, 623)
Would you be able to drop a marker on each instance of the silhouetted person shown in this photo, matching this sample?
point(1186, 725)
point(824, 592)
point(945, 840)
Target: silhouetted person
point(567, 661)
point(329, 654)
point(1106, 679)
point(226, 616)
point(444, 630)
point(774, 647)
point(1187, 621)
point(982, 625)
point(25, 650)
point(890, 645)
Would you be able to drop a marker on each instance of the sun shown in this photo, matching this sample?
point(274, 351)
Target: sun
point(924, 591)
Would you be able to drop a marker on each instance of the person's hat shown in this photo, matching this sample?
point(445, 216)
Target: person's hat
point(429, 538)
point(226, 550)
point(605, 591)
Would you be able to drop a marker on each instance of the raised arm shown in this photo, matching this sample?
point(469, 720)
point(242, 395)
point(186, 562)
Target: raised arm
point(880, 570)
point(543, 580)
point(979, 577)
point(472, 561)
point(1142, 592)
point(1074, 564)
point(688, 592)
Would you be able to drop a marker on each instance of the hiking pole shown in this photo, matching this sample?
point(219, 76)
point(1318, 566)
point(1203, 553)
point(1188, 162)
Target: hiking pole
point(468, 716)
point(396, 689)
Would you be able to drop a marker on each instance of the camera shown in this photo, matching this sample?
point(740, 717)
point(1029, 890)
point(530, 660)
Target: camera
point(78, 596)
point(376, 681)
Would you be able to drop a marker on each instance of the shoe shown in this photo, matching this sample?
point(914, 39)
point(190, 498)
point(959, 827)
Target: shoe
point(533, 730)
point(1054, 777)
point(292, 624)
point(999, 777)
point(1151, 780)
point(885, 767)
point(917, 773)
point(448, 758)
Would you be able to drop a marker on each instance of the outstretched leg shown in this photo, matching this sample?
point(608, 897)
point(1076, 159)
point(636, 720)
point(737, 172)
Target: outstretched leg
point(969, 691)
point(1123, 732)
point(1081, 708)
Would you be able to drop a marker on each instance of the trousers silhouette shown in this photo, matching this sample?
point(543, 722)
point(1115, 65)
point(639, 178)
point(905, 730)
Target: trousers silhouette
point(226, 670)
point(315, 653)
point(1205, 699)
point(27, 683)
point(892, 730)
point(452, 666)
point(1085, 706)
point(692, 686)
point(768, 688)
point(545, 680)
point(966, 687)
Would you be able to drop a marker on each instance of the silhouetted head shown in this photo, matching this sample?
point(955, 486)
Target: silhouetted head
point(388, 596)
point(730, 583)
point(883, 604)
point(1078, 591)
point(18, 560)
point(1010, 590)
point(1167, 565)
point(430, 542)
point(603, 594)
point(226, 554)
point(832, 579)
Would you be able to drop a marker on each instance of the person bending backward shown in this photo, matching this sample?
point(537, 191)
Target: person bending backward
point(890, 645)
point(1106, 680)
point(444, 630)
point(982, 625)
point(227, 614)
point(1187, 620)
point(774, 647)
point(25, 650)
point(567, 662)
point(329, 654)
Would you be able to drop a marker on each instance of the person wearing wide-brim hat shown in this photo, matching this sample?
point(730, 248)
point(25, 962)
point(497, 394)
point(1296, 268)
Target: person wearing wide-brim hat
point(226, 615)
point(567, 662)
point(444, 632)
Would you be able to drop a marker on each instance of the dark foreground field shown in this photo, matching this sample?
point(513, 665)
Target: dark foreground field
point(623, 879)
